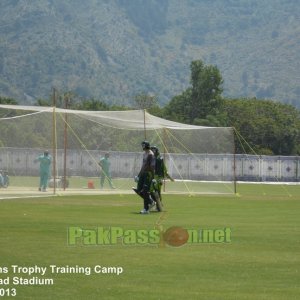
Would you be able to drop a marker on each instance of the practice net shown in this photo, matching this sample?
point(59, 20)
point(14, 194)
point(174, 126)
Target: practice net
point(200, 159)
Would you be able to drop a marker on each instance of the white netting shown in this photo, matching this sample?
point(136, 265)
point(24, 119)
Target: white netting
point(130, 119)
point(77, 140)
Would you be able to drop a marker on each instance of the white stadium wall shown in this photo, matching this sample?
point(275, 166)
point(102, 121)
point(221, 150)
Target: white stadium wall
point(210, 167)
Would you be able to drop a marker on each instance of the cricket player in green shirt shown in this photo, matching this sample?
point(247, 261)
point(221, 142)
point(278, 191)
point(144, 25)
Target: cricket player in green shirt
point(45, 162)
point(104, 163)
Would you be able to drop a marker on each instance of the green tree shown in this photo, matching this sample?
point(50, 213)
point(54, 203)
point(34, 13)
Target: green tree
point(178, 109)
point(268, 127)
point(42, 102)
point(206, 90)
point(90, 104)
point(5, 100)
point(143, 101)
point(149, 102)
point(200, 100)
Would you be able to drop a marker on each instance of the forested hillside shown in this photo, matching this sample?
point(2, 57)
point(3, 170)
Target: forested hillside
point(113, 50)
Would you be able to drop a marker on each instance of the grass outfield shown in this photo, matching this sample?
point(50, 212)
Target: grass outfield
point(261, 261)
point(28, 183)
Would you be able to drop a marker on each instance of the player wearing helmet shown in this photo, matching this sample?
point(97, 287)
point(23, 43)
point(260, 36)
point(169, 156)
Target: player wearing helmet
point(145, 177)
point(161, 173)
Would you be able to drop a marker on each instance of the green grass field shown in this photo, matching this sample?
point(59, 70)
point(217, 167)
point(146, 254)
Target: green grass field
point(215, 187)
point(261, 261)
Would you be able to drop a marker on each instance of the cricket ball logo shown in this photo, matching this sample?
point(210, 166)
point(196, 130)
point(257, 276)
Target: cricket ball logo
point(176, 236)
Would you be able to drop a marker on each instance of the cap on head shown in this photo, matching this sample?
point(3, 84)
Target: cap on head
point(145, 145)
point(46, 152)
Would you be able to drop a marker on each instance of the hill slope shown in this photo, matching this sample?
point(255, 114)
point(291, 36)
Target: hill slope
point(113, 50)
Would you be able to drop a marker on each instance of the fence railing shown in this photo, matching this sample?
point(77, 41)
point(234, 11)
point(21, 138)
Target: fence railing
point(22, 162)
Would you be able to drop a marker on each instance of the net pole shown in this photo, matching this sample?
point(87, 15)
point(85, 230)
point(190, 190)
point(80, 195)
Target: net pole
point(65, 144)
point(54, 139)
point(234, 162)
point(145, 135)
point(164, 144)
point(297, 169)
